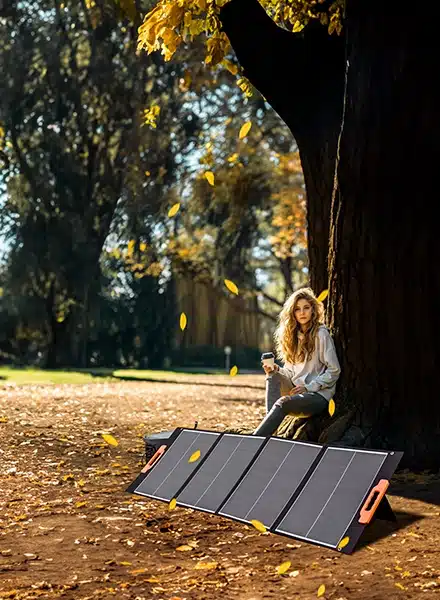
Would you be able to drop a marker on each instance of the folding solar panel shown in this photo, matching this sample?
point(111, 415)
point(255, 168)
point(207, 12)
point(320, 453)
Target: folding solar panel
point(319, 494)
point(219, 473)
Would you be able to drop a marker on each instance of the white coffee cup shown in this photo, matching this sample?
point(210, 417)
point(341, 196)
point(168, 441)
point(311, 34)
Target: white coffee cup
point(268, 359)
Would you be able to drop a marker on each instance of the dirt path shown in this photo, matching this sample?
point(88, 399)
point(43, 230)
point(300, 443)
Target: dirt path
point(68, 529)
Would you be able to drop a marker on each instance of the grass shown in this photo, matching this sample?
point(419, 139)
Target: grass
point(29, 376)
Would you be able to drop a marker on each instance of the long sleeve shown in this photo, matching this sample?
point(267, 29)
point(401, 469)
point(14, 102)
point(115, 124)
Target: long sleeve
point(328, 357)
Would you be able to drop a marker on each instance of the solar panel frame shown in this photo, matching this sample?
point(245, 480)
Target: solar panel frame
point(354, 528)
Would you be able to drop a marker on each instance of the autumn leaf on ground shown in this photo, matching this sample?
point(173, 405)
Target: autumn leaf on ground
point(231, 286)
point(284, 567)
point(210, 178)
point(321, 591)
point(184, 548)
point(3, 419)
point(258, 525)
point(322, 296)
point(233, 371)
point(206, 566)
point(172, 505)
point(245, 130)
point(343, 542)
point(174, 209)
point(183, 321)
point(194, 456)
point(109, 439)
point(331, 407)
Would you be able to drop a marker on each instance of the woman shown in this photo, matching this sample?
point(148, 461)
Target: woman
point(310, 363)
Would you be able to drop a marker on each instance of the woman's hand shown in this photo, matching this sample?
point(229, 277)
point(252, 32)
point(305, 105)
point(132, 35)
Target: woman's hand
point(298, 389)
point(268, 370)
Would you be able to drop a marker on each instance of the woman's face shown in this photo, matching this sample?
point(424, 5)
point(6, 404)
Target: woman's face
point(303, 312)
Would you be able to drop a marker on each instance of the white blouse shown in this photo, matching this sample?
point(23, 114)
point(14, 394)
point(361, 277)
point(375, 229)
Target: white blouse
point(321, 372)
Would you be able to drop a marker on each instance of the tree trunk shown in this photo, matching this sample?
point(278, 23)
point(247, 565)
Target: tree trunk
point(302, 77)
point(383, 298)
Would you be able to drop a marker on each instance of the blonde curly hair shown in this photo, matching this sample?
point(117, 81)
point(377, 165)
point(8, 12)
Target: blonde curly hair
point(289, 347)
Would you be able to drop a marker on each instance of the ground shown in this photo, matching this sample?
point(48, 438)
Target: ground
point(69, 530)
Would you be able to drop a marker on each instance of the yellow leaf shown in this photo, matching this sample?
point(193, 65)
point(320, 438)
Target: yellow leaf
point(194, 456)
point(81, 483)
point(331, 407)
point(258, 525)
point(210, 177)
point(125, 563)
point(231, 286)
point(245, 130)
point(172, 505)
point(147, 173)
point(183, 321)
point(233, 371)
point(109, 439)
point(184, 548)
point(322, 296)
point(207, 566)
point(400, 586)
point(343, 542)
point(284, 567)
point(174, 210)
point(3, 419)
point(139, 572)
point(80, 504)
point(321, 591)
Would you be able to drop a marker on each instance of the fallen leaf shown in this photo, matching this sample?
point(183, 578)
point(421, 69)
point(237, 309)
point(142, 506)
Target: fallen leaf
point(140, 572)
point(80, 504)
point(284, 567)
point(231, 286)
point(233, 371)
point(183, 321)
point(3, 419)
point(331, 407)
point(194, 456)
point(321, 590)
point(258, 525)
point(210, 177)
point(30, 556)
point(343, 542)
point(184, 548)
point(206, 566)
point(172, 505)
point(174, 209)
point(244, 130)
point(125, 563)
point(109, 439)
point(400, 586)
point(322, 296)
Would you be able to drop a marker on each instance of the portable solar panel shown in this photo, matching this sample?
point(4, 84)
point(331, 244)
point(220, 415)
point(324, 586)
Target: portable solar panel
point(320, 494)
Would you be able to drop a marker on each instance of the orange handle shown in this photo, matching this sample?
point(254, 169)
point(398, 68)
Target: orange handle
point(153, 460)
point(368, 511)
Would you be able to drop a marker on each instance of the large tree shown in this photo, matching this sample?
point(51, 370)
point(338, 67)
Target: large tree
point(362, 106)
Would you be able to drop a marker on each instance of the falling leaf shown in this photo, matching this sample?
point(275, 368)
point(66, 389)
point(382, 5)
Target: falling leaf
point(231, 286)
point(174, 209)
point(210, 177)
point(172, 505)
point(343, 542)
point(321, 591)
point(195, 456)
point(206, 566)
point(184, 548)
point(284, 567)
point(109, 439)
point(258, 525)
point(233, 371)
point(331, 407)
point(245, 130)
point(183, 321)
point(322, 296)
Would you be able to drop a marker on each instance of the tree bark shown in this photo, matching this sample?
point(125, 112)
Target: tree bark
point(302, 78)
point(383, 297)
